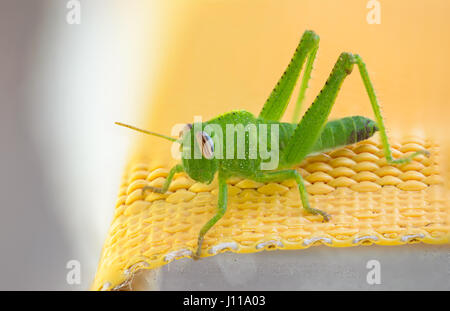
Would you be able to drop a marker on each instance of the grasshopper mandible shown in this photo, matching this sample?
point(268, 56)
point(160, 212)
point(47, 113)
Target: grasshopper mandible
point(295, 140)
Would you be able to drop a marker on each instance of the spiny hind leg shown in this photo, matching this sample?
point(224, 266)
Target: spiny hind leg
point(379, 118)
point(309, 129)
point(278, 176)
point(278, 100)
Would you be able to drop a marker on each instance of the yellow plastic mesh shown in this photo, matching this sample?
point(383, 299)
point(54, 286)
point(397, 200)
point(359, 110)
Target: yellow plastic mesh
point(369, 201)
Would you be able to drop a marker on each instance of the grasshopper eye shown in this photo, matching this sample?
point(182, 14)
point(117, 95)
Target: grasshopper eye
point(185, 129)
point(206, 144)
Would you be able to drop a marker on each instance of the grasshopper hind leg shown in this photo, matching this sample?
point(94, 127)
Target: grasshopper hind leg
point(308, 130)
point(379, 118)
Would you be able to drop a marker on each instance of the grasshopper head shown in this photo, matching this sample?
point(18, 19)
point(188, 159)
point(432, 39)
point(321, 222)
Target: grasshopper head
point(197, 153)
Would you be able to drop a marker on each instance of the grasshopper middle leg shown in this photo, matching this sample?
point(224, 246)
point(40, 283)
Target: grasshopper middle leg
point(282, 175)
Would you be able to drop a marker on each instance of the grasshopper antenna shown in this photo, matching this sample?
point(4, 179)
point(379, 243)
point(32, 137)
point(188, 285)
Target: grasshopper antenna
point(146, 132)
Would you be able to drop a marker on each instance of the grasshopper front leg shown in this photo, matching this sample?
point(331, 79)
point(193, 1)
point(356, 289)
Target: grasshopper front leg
point(176, 169)
point(221, 209)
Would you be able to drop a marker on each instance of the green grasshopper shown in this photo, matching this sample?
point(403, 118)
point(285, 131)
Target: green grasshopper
point(294, 141)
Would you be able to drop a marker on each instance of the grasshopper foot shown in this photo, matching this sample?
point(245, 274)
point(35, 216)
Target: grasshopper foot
point(410, 157)
point(153, 189)
point(316, 211)
point(196, 255)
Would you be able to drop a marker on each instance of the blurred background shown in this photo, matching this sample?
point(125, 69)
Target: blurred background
point(62, 87)
point(64, 83)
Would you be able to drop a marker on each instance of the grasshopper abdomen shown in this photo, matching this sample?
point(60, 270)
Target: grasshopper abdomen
point(343, 132)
